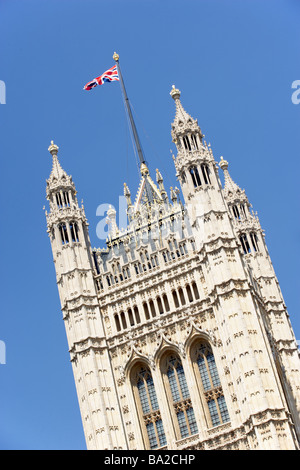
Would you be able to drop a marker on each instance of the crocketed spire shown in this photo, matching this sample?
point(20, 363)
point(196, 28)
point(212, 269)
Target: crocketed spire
point(57, 171)
point(181, 115)
point(183, 122)
point(58, 177)
point(230, 187)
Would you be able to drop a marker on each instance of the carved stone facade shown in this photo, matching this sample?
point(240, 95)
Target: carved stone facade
point(178, 334)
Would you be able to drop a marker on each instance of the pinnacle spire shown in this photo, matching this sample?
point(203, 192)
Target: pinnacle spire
point(230, 186)
point(181, 115)
point(183, 123)
point(57, 171)
point(58, 177)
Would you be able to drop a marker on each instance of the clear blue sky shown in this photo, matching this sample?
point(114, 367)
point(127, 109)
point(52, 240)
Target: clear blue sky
point(234, 62)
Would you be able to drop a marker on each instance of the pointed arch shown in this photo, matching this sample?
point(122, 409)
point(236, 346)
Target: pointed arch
point(178, 395)
point(147, 406)
point(209, 383)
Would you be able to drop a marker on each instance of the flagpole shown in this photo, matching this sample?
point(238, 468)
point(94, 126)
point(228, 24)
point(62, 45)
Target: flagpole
point(134, 130)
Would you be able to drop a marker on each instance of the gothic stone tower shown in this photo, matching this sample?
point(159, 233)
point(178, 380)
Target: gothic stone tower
point(178, 333)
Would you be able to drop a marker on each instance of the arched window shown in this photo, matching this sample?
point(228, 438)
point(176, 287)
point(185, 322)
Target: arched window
point(236, 212)
point(195, 176)
point(136, 314)
point(130, 317)
point(166, 302)
point(242, 206)
point(189, 293)
point(66, 198)
point(245, 243)
point(59, 200)
point(148, 408)
point(195, 289)
point(74, 231)
point(194, 141)
point(175, 299)
point(123, 320)
point(187, 143)
point(160, 305)
point(152, 308)
point(63, 233)
point(210, 385)
point(181, 295)
point(179, 395)
point(146, 311)
point(205, 173)
point(117, 321)
point(254, 241)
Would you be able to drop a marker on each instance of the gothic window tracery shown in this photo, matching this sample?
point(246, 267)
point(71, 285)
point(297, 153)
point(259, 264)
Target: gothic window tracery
point(179, 397)
point(210, 384)
point(148, 408)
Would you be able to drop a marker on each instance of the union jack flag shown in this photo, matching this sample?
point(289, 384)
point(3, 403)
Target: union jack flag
point(110, 75)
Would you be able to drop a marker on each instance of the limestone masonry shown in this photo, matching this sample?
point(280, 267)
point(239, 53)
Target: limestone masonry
point(178, 333)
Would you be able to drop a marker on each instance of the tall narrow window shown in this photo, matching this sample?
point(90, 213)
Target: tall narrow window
point(136, 314)
point(175, 298)
point(189, 293)
point(205, 173)
point(254, 240)
point(181, 295)
point(235, 211)
point(186, 142)
point(194, 141)
point(245, 243)
point(63, 233)
point(148, 408)
point(130, 317)
point(74, 231)
point(179, 393)
point(243, 210)
point(160, 305)
point(66, 198)
point(123, 320)
point(146, 311)
point(59, 200)
point(210, 384)
point(117, 321)
point(195, 176)
point(152, 308)
point(166, 302)
point(195, 289)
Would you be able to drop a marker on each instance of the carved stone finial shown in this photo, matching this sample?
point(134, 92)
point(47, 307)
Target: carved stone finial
point(53, 149)
point(175, 93)
point(223, 164)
